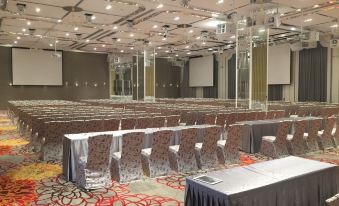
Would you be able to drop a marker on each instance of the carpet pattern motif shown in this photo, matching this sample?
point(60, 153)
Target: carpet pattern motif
point(25, 180)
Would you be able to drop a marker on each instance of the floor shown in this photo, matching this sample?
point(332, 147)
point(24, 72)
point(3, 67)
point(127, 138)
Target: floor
point(24, 180)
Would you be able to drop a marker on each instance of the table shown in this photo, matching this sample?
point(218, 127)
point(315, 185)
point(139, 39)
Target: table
point(253, 131)
point(76, 145)
point(290, 181)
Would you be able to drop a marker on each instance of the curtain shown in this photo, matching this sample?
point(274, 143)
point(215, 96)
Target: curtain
point(231, 75)
point(259, 73)
point(186, 90)
point(212, 92)
point(313, 74)
point(275, 92)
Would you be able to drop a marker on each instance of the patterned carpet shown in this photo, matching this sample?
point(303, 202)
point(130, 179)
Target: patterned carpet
point(25, 180)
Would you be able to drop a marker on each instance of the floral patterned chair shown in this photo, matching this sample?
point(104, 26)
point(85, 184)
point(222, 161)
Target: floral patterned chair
point(128, 123)
point(261, 115)
point(279, 114)
point(205, 152)
point(182, 157)
point(93, 171)
point(325, 138)
point(276, 146)
point(242, 116)
point(295, 142)
point(172, 120)
point(228, 150)
point(155, 160)
point(144, 122)
point(159, 121)
point(312, 135)
point(210, 119)
point(126, 165)
point(270, 114)
point(111, 124)
point(251, 116)
point(94, 125)
point(191, 118)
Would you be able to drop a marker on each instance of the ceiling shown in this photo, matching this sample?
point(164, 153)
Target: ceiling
point(128, 26)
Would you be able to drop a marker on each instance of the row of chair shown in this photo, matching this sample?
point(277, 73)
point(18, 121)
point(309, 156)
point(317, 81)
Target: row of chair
point(130, 164)
point(300, 142)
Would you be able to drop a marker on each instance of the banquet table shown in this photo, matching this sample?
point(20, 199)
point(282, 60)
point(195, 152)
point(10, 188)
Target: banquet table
point(254, 130)
point(290, 181)
point(76, 145)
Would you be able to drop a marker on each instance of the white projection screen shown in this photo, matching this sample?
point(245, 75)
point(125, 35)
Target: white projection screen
point(201, 72)
point(279, 63)
point(36, 67)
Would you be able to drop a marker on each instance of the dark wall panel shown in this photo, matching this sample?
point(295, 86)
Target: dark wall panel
point(231, 77)
point(167, 79)
point(77, 67)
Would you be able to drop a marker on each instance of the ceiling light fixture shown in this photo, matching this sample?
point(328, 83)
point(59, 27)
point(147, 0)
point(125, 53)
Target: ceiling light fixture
point(177, 18)
point(23, 30)
point(177, 55)
point(164, 39)
point(160, 6)
point(76, 28)
point(261, 30)
point(167, 51)
point(220, 1)
point(59, 20)
point(159, 47)
point(119, 39)
point(188, 53)
point(334, 26)
point(131, 35)
point(87, 40)
point(233, 37)
point(18, 38)
point(298, 10)
point(93, 17)
point(132, 48)
point(29, 23)
point(115, 27)
point(67, 34)
point(37, 10)
point(122, 51)
point(95, 48)
point(108, 6)
point(15, 42)
point(316, 6)
point(155, 26)
point(186, 47)
point(293, 29)
point(308, 20)
point(56, 41)
point(190, 31)
point(103, 45)
point(215, 15)
point(50, 45)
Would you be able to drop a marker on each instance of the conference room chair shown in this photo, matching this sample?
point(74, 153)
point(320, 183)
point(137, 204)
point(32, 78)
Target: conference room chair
point(93, 171)
point(335, 133)
point(242, 116)
point(158, 121)
point(128, 123)
point(228, 150)
point(200, 118)
point(182, 157)
point(333, 201)
point(144, 122)
point(276, 146)
point(53, 133)
point(325, 138)
point(111, 124)
point(93, 125)
point(279, 114)
point(221, 119)
point(76, 126)
point(251, 116)
point(261, 115)
point(231, 118)
point(270, 114)
point(126, 165)
point(172, 120)
point(296, 144)
point(155, 160)
point(206, 152)
point(311, 137)
point(191, 118)
point(210, 119)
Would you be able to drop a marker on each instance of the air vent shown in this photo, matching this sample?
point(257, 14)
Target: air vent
point(72, 9)
point(183, 26)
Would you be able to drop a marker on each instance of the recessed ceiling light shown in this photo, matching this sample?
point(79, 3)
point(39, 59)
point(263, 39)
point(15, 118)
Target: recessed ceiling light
point(334, 26)
point(15, 42)
point(261, 30)
point(37, 9)
point(160, 6)
point(308, 20)
point(241, 29)
point(67, 34)
point(119, 39)
point(210, 49)
point(188, 53)
point(282, 14)
point(190, 31)
point(198, 37)
point(155, 53)
point(29, 23)
point(132, 48)
point(122, 51)
point(131, 35)
point(215, 15)
point(159, 47)
point(293, 28)
point(203, 43)
point(164, 39)
point(155, 26)
point(108, 6)
point(18, 38)
point(103, 45)
point(167, 51)
point(115, 27)
point(186, 47)
point(233, 37)
point(298, 10)
point(316, 6)
point(56, 41)
point(177, 18)
point(220, 1)
point(87, 40)
point(59, 20)
point(50, 45)
point(76, 28)
point(95, 48)
point(93, 17)
point(177, 55)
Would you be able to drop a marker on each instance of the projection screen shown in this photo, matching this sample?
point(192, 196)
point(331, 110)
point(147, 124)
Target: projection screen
point(201, 72)
point(279, 64)
point(36, 67)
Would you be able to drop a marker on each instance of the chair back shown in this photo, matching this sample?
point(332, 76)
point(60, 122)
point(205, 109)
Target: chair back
point(187, 141)
point(211, 137)
point(233, 137)
point(111, 124)
point(300, 130)
point(173, 120)
point(144, 122)
point(127, 123)
point(132, 144)
point(99, 148)
point(282, 132)
point(279, 114)
point(329, 125)
point(191, 118)
point(158, 121)
point(209, 119)
point(161, 142)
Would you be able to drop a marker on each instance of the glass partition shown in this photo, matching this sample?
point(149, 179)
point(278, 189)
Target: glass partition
point(121, 77)
point(149, 74)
